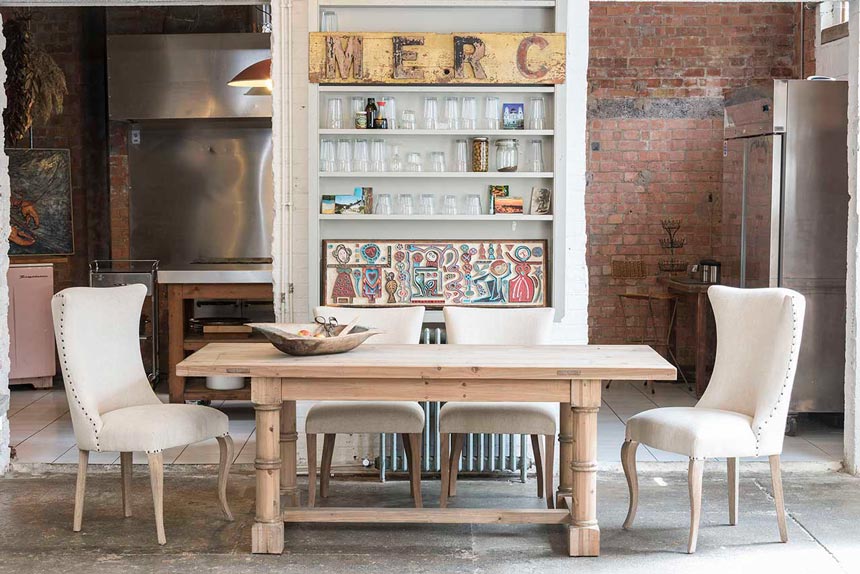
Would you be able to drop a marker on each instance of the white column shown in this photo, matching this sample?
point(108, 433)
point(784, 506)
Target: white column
point(5, 195)
point(573, 328)
point(852, 377)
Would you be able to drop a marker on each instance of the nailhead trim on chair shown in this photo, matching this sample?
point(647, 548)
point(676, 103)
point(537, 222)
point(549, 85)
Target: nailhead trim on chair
point(66, 376)
point(788, 375)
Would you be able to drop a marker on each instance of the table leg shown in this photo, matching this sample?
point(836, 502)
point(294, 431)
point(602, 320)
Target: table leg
point(565, 455)
point(701, 342)
point(584, 530)
point(267, 534)
point(289, 438)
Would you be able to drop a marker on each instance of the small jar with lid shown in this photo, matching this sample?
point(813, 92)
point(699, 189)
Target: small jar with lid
point(507, 155)
point(480, 154)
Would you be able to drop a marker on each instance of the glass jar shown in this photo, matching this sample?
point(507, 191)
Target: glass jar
point(507, 155)
point(480, 154)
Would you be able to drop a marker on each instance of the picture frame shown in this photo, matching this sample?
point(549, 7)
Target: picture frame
point(541, 201)
point(513, 116)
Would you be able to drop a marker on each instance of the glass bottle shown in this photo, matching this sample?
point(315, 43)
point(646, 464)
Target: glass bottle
point(370, 110)
point(381, 121)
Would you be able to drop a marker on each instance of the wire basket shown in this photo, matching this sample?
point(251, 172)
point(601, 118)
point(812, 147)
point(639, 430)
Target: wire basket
point(673, 266)
point(628, 269)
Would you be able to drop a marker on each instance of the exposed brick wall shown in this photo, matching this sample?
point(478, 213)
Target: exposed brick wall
point(69, 35)
point(656, 78)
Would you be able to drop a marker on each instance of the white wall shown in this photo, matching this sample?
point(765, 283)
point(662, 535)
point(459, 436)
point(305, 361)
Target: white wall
point(5, 195)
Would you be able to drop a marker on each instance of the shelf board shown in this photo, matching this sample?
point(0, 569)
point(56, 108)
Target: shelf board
point(375, 217)
point(439, 3)
point(466, 133)
point(197, 342)
point(436, 89)
point(500, 175)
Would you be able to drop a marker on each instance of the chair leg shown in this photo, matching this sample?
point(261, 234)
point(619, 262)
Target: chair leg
point(312, 469)
point(407, 451)
point(549, 463)
point(125, 462)
point(156, 477)
point(325, 467)
point(456, 452)
point(733, 476)
point(444, 457)
point(414, 442)
point(537, 450)
point(696, 469)
point(225, 459)
point(778, 498)
point(80, 488)
point(628, 462)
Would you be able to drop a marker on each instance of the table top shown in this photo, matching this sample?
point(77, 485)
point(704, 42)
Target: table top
point(685, 285)
point(619, 362)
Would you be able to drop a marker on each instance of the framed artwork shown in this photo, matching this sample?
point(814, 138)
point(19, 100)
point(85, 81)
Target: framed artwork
point(486, 273)
point(41, 204)
point(541, 203)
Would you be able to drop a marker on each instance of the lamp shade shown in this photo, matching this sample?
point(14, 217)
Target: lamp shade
point(258, 75)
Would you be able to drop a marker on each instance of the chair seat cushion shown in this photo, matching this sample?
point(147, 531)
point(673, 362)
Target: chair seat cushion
point(513, 418)
point(365, 417)
point(694, 431)
point(157, 427)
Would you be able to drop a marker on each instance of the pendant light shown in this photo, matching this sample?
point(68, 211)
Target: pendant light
point(258, 75)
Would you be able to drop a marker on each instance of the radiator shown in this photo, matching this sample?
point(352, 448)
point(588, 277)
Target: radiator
point(482, 453)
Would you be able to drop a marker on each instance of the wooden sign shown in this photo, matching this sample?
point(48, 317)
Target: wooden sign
point(424, 58)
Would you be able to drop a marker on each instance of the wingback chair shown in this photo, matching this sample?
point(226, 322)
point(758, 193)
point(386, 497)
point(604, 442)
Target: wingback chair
point(112, 406)
point(475, 326)
point(399, 326)
point(744, 408)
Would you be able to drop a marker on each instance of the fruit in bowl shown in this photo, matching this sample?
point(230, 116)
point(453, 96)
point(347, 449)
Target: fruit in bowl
point(299, 339)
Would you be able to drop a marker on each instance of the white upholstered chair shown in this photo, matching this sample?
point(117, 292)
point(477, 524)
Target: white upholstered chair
point(475, 326)
point(399, 326)
point(112, 406)
point(744, 408)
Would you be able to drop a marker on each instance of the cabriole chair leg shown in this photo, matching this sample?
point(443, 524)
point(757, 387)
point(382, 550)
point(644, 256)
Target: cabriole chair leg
point(778, 498)
point(125, 462)
point(549, 470)
point(325, 467)
point(80, 489)
point(628, 463)
point(414, 442)
point(156, 477)
point(225, 459)
point(312, 469)
point(537, 450)
point(457, 442)
point(696, 469)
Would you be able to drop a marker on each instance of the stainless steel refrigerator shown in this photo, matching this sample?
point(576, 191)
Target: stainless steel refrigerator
point(785, 216)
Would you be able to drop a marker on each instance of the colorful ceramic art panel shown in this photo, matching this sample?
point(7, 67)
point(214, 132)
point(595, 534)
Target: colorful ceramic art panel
point(489, 273)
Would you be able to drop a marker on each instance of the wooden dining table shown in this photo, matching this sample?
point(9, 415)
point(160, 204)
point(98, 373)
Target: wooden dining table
point(570, 375)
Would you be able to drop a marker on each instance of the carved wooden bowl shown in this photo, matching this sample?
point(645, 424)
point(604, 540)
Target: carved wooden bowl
point(285, 338)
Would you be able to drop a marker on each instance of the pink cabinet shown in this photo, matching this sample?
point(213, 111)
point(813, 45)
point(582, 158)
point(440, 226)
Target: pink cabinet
point(30, 325)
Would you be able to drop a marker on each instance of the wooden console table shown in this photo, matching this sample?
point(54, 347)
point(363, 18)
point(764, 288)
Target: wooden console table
point(568, 375)
point(697, 293)
point(180, 302)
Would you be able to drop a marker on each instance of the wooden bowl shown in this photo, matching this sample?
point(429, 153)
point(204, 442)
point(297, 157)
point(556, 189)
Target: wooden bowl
point(285, 338)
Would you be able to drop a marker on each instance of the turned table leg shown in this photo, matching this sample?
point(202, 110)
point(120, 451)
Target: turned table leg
point(584, 530)
point(289, 438)
point(565, 455)
point(267, 534)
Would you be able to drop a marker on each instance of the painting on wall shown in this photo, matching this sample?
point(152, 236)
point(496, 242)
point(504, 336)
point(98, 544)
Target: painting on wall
point(487, 273)
point(41, 186)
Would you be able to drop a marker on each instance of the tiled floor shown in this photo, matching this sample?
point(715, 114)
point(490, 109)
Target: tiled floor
point(42, 429)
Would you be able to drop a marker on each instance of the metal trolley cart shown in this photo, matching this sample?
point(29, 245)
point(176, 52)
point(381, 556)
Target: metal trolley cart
point(118, 272)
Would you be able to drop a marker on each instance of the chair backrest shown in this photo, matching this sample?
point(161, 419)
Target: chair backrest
point(484, 326)
point(758, 342)
point(399, 325)
point(97, 332)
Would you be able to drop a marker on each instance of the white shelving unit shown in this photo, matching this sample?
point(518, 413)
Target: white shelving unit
point(439, 16)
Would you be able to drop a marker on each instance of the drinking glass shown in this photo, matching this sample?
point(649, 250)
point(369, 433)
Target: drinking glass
point(413, 162)
point(462, 161)
point(395, 163)
point(537, 114)
point(431, 113)
point(535, 158)
point(425, 204)
point(452, 113)
point(334, 115)
point(377, 155)
point(492, 113)
point(391, 111)
point(437, 161)
point(360, 160)
point(404, 204)
point(382, 204)
point(449, 205)
point(327, 156)
point(469, 113)
point(328, 22)
point(473, 204)
point(357, 107)
point(407, 120)
point(344, 155)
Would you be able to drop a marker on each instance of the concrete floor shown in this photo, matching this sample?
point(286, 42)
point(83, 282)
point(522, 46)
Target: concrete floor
point(36, 536)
